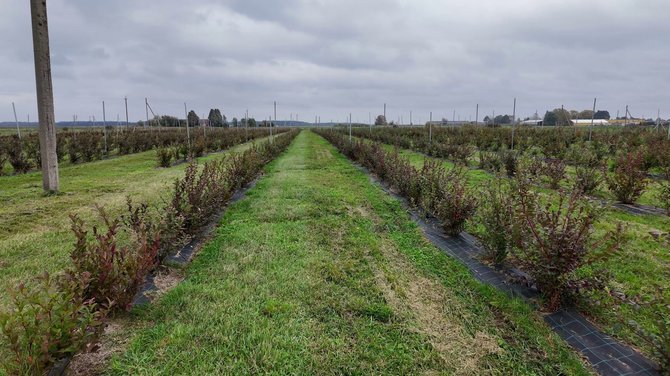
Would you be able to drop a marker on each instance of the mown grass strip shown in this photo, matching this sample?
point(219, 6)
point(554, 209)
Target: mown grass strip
point(319, 272)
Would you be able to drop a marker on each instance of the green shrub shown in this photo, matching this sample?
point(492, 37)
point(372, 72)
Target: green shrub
point(117, 271)
point(629, 178)
point(659, 339)
point(554, 169)
point(47, 321)
point(446, 195)
point(496, 215)
point(556, 239)
point(164, 156)
point(587, 179)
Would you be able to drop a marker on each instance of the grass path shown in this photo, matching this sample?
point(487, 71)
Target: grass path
point(317, 271)
point(35, 230)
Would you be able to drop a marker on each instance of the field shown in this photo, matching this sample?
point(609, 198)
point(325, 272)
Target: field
point(317, 270)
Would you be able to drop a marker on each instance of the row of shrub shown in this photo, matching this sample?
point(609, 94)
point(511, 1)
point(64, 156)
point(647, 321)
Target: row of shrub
point(624, 173)
point(550, 237)
point(557, 143)
point(57, 316)
point(23, 154)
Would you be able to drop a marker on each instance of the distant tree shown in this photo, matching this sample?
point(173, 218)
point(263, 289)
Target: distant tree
point(235, 122)
point(193, 119)
point(169, 121)
point(562, 117)
point(574, 114)
point(503, 119)
point(550, 118)
point(215, 118)
point(586, 114)
point(252, 123)
point(225, 121)
point(602, 115)
point(380, 120)
point(140, 123)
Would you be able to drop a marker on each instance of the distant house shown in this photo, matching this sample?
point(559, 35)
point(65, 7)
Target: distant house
point(587, 122)
point(533, 122)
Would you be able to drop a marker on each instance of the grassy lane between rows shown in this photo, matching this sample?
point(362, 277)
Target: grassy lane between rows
point(641, 265)
point(35, 231)
point(317, 271)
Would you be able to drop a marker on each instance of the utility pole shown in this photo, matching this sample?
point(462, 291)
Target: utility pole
point(593, 116)
point(104, 125)
point(350, 127)
point(513, 122)
point(127, 120)
point(45, 97)
point(146, 108)
point(410, 118)
point(384, 111)
point(477, 115)
point(275, 113)
point(16, 119)
point(430, 128)
point(246, 126)
point(188, 132)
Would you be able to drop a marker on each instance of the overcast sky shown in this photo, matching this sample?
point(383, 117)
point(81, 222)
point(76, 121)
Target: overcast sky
point(332, 57)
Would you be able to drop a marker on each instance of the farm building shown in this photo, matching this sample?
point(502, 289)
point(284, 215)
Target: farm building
point(587, 122)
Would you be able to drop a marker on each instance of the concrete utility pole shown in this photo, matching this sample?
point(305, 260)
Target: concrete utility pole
point(104, 124)
point(384, 111)
point(45, 97)
point(593, 116)
point(477, 115)
point(275, 114)
point(188, 132)
point(513, 122)
point(350, 127)
point(127, 120)
point(410, 118)
point(16, 119)
point(430, 128)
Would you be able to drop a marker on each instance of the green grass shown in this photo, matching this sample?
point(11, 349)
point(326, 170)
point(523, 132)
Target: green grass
point(35, 231)
point(642, 264)
point(317, 271)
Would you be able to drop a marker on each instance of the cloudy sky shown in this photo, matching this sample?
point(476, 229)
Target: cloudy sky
point(333, 57)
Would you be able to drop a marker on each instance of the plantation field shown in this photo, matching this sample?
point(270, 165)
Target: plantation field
point(35, 231)
point(641, 265)
point(317, 271)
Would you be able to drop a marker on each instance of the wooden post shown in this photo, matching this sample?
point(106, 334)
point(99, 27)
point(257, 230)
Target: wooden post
point(45, 99)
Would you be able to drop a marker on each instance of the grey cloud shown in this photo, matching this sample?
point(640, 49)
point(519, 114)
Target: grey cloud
point(334, 57)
